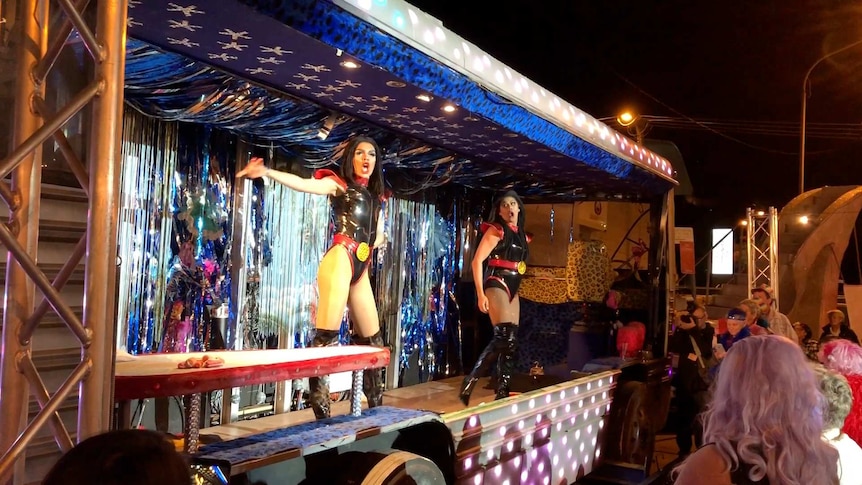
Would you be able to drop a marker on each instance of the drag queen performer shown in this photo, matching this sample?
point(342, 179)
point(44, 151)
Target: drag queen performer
point(504, 245)
point(342, 277)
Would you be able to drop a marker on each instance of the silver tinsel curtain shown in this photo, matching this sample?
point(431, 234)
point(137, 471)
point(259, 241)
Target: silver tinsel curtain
point(149, 160)
point(290, 231)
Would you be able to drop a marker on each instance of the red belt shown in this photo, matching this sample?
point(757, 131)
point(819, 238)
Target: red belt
point(518, 266)
point(361, 250)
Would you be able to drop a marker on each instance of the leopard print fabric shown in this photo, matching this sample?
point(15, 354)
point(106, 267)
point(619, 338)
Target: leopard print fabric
point(544, 285)
point(588, 271)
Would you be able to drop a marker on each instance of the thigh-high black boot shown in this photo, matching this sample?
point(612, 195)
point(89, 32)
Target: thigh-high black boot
point(372, 379)
point(506, 360)
point(318, 387)
point(491, 352)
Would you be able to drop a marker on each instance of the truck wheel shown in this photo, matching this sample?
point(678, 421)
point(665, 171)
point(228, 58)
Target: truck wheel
point(400, 467)
point(631, 430)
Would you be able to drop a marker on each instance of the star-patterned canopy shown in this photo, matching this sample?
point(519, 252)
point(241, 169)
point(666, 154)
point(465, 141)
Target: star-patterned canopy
point(293, 72)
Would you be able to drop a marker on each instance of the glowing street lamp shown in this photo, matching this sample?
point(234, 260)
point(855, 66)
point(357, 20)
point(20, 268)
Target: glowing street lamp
point(631, 120)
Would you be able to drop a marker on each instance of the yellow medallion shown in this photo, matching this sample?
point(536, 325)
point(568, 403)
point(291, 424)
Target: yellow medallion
point(362, 252)
point(522, 267)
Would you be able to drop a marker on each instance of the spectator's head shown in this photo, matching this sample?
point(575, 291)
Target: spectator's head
point(736, 318)
point(838, 395)
point(767, 412)
point(835, 318)
point(752, 311)
point(803, 332)
point(841, 356)
point(126, 457)
point(763, 296)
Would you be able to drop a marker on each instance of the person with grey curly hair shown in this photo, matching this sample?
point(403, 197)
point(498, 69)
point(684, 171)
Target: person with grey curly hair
point(838, 402)
point(755, 323)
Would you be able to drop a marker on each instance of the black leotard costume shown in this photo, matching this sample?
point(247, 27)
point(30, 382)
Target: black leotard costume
point(508, 260)
point(354, 214)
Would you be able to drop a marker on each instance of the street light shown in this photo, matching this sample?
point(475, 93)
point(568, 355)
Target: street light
point(631, 120)
point(805, 85)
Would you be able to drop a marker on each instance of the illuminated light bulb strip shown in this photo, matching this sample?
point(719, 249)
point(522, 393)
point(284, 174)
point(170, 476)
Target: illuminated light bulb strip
point(427, 34)
point(507, 413)
point(501, 429)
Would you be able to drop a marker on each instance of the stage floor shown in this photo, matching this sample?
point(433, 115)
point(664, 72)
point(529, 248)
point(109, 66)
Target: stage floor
point(437, 396)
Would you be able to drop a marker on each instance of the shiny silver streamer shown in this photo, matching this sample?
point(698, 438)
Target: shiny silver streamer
point(406, 281)
point(297, 225)
point(149, 154)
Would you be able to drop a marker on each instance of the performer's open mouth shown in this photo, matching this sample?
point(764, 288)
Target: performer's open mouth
point(365, 168)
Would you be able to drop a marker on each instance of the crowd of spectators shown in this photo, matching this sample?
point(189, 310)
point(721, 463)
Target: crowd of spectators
point(763, 400)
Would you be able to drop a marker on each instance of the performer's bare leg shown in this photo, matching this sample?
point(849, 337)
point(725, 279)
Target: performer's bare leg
point(333, 280)
point(363, 312)
point(504, 317)
point(333, 283)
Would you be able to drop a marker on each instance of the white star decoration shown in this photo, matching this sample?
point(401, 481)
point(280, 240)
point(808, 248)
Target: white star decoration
point(329, 88)
point(344, 104)
point(382, 99)
point(183, 25)
point(437, 119)
point(297, 86)
point(134, 3)
point(322, 95)
point(235, 35)
point(454, 126)
point(131, 22)
point(413, 109)
point(306, 77)
point(187, 11)
point(376, 107)
point(184, 42)
point(232, 45)
point(358, 99)
point(274, 50)
point(223, 56)
point(347, 84)
point(316, 68)
point(259, 70)
point(269, 60)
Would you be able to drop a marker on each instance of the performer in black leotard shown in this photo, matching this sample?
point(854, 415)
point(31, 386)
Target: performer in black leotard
point(504, 245)
point(342, 276)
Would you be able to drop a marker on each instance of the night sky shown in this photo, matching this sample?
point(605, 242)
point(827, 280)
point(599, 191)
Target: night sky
point(734, 61)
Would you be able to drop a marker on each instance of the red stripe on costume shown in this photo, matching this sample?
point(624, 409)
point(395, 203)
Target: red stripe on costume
point(324, 173)
point(483, 228)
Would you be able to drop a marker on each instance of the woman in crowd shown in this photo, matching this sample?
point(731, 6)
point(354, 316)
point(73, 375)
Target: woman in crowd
point(737, 329)
point(845, 358)
point(504, 246)
point(756, 325)
point(839, 400)
point(765, 422)
point(126, 457)
point(691, 390)
point(355, 194)
point(810, 345)
point(836, 328)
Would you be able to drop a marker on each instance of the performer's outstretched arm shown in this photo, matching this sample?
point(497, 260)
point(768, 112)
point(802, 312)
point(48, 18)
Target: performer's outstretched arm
point(256, 169)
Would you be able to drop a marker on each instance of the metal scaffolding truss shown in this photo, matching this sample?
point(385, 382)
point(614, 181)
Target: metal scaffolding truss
point(33, 125)
point(762, 245)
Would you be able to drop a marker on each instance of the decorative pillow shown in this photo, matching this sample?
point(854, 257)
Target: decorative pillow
point(588, 271)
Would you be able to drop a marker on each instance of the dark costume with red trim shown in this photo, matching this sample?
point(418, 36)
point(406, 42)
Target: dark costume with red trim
point(507, 262)
point(354, 213)
point(505, 268)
